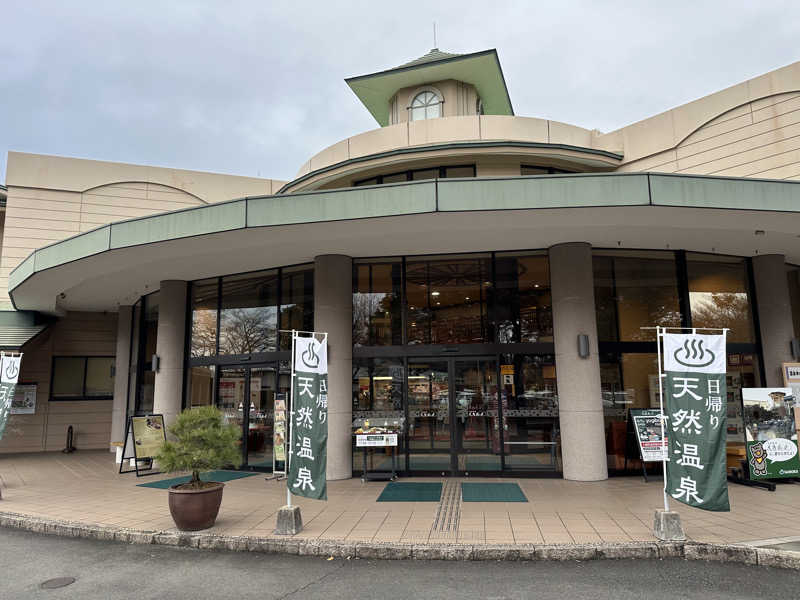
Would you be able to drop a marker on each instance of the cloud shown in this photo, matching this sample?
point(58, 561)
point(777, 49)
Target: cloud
point(257, 88)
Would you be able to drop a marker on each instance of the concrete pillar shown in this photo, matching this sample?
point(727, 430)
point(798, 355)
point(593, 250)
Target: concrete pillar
point(119, 410)
point(583, 445)
point(170, 344)
point(774, 314)
point(333, 313)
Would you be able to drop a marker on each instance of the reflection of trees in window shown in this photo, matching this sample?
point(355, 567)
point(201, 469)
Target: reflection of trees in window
point(722, 309)
point(204, 333)
point(247, 330)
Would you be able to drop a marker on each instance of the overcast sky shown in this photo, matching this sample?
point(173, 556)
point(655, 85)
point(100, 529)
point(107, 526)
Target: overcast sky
point(256, 88)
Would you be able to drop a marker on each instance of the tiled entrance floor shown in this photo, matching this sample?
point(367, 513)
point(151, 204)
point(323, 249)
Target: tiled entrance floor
point(85, 487)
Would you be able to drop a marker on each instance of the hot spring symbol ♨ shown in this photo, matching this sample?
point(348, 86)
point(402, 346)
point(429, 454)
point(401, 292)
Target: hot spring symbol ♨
point(693, 354)
point(12, 370)
point(309, 357)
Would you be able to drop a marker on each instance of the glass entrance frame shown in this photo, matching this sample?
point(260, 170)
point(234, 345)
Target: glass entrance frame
point(448, 311)
point(234, 346)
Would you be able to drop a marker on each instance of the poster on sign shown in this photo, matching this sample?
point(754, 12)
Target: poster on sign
point(650, 434)
point(771, 435)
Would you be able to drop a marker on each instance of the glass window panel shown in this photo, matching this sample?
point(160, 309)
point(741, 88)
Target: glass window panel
point(530, 412)
point(150, 325)
point(68, 372)
point(523, 309)
point(627, 381)
point(525, 170)
point(719, 295)
point(376, 305)
point(460, 172)
point(395, 178)
point(134, 366)
point(249, 313)
point(371, 181)
point(201, 386)
point(793, 275)
point(450, 294)
point(100, 376)
point(378, 400)
point(634, 291)
point(419, 319)
point(297, 302)
point(425, 174)
point(204, 318)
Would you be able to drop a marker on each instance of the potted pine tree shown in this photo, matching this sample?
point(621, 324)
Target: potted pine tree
point(202, 442)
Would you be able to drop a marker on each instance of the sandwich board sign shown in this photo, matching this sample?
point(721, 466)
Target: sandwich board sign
point(143, 439)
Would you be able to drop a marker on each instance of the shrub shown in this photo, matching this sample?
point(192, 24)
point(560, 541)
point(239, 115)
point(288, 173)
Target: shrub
point(203, 442)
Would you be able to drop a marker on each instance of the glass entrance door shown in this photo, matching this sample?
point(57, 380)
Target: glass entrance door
point(246, 396)
point(476, 426)
point(453, 425)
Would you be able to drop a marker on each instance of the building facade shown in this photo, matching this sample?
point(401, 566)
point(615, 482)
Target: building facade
point(454, 255)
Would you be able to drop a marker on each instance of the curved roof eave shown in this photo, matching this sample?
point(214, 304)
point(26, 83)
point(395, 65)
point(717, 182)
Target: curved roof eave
point(447, 146)
point(49, 271)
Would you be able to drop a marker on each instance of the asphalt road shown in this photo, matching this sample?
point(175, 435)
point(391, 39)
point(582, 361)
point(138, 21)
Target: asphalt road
point(108, 570)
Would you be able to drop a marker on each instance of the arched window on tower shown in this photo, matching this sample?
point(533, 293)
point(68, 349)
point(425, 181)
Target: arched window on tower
point(426, 105)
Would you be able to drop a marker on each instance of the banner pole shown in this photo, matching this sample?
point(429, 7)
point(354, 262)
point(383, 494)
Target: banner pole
point(663, 415)
point(290, 411)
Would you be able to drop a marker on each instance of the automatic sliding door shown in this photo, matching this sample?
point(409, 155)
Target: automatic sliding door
point(429, 435)
point(231, 398)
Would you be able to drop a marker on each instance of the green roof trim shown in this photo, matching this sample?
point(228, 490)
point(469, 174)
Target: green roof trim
point(534, 192)
point(481, 69)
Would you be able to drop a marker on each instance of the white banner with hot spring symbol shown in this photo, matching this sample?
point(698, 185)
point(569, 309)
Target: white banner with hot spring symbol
point(9, 374)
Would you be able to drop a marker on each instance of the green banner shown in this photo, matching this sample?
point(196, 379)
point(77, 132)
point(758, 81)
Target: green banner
point(695, 394)
point(772, 451)
point(308, 447)
point(9, 373)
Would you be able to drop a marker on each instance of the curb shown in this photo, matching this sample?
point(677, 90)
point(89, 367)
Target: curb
point(738, 553)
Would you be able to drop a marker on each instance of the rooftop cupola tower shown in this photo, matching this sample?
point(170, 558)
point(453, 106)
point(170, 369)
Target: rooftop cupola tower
point(438, 84)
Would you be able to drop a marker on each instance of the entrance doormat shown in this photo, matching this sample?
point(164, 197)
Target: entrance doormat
point(411, 492)
point(218, 476)
point(492, 492)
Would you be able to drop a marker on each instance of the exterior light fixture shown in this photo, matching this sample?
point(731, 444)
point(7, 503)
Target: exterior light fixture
point(759, 232)
point(434, 293)
point(583, 345)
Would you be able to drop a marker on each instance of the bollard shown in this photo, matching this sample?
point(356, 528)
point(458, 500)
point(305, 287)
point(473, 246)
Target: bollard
point(69, 448)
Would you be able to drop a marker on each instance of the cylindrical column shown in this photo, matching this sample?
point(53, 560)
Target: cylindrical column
point(333, 313)
point(774, 314)
point(583, 445)
point(119, 409)
point(170, 344)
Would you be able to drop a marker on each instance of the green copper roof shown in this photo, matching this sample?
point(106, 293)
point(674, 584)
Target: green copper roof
point(481, 69)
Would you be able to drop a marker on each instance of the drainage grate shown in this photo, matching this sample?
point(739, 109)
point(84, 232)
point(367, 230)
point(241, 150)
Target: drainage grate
point(58, 582)
point(449, 510)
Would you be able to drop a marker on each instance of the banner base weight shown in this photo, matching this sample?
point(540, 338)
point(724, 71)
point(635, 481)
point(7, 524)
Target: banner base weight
point(290, 521)
point(667, 526)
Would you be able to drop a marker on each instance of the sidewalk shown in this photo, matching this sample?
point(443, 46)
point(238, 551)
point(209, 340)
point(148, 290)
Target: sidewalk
point(85, 488)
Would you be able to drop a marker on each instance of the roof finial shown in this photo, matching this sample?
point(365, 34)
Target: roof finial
point(435, 47)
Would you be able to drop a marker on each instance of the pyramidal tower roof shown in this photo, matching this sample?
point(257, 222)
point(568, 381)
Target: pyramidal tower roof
point(481, 69)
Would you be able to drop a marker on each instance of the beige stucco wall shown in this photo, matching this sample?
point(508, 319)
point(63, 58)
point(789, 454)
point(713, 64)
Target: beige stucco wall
point(78, 334)
point(746, 130)
point(52, 197)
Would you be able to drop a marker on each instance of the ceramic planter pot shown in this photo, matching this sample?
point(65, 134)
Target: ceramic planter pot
point(193, 510)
